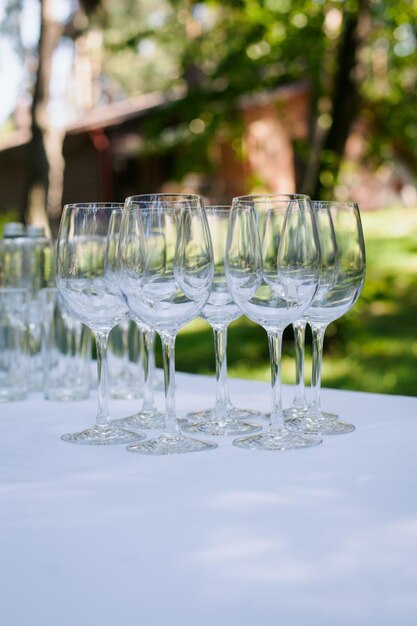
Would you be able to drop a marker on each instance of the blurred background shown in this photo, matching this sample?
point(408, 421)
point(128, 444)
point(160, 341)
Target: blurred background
point(101, 99)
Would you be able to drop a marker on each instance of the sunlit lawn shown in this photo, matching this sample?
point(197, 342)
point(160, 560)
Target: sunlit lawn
point(373, 348)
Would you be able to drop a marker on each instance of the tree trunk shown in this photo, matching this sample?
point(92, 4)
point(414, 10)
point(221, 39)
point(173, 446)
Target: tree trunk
point(45, 166)
point(328, 147)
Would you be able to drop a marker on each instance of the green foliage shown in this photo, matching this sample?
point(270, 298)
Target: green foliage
point(219, 50)
point(389, 62)
point(140, 55)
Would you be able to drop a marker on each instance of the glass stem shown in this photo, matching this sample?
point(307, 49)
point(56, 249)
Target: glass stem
point(275, 347)
point(318, 331)
point(148, 369)
point(168, 359)
point(103, 417)
point(299, 328)
point(75, 356)
point(150, 349)
point(220, 349)
point(141, 357)
point(124, 331)
point(71, 350)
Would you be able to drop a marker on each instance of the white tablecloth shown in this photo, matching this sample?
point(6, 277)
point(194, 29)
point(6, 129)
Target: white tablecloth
point(98, 536)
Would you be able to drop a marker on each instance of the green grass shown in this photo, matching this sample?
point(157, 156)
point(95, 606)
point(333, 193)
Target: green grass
point(372, 348)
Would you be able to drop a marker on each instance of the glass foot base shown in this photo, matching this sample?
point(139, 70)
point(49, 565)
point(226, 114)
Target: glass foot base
point(324, 424)
point(277, 440)
point(142, 420)
point(171, 444)
point(233, 413)
point(295, 412)
point(102, 435)
point(329, 416)
point(125, 394)
point(217, 427)
point(12, 395)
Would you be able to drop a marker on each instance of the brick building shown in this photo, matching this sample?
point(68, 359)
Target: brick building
point(104, 159)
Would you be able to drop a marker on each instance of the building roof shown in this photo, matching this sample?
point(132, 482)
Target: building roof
point(103, 116)
point(115, 113)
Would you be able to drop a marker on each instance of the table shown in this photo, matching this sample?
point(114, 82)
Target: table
point(98, 536)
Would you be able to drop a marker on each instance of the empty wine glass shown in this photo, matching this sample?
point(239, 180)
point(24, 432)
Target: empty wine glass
point(328, 267)
point(149, 415)
point(272, 269)
point(336, 295)
point(83, 251)
point(165, 274)
point(219, 311)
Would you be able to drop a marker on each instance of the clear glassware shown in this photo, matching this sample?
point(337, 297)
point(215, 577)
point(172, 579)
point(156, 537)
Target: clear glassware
point(339, 289)
point(27, 261)
point(125, 361)
point(272, 269)
point(83, 252)
point(165, 273)
point(149, 416)
point(66, 351)
point(39, 272)
point(299, 405)
point(14, 313)
point(327, 239)
point(220, 311)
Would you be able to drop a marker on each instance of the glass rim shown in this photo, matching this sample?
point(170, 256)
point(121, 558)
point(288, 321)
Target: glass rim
point(267, 197)
point(350, 204)
point(94, 205)
point(172, 198)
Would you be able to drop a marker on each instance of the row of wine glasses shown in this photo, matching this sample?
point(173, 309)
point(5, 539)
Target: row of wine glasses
point(164, 259)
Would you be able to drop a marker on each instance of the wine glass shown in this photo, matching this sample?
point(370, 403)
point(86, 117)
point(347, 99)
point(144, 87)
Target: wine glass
point(165, 274)
point(328, 267)
point(149, 416)
point(83, 251)
point(272, 269)
point(334, 298)
point(219, 311)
